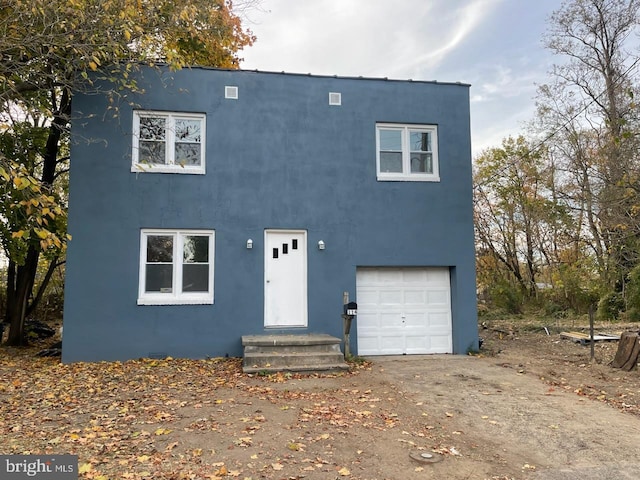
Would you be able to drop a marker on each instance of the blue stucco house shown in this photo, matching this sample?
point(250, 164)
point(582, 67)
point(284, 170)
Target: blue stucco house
point(222, 203)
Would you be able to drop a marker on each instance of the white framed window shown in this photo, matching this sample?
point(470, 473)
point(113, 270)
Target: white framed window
point(335, 98)
point(407, 152)
point(176, 267)
point(168, 142)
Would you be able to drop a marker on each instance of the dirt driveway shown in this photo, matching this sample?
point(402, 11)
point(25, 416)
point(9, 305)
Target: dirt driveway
point(513, 424)
point(522, 412)
point(531, 406)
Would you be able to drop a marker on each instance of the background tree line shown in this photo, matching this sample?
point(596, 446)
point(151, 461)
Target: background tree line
point(557, 210)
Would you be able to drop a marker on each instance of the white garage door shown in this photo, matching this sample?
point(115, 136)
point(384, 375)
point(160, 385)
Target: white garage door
point(403, 311)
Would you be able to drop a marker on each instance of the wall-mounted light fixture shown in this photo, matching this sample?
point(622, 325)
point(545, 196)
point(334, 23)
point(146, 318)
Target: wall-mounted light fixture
point(249, 244)
point(320, 245)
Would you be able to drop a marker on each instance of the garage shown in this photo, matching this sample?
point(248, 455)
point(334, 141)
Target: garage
point(403, 310)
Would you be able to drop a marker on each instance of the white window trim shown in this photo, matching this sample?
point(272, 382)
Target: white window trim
point(406, 175)
point(176, 297)
point(170, 166)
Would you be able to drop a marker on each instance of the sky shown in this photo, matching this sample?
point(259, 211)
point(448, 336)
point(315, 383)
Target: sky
point(494, 45)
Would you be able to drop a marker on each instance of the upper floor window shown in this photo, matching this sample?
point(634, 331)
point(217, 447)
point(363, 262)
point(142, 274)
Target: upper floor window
point(166, 142)
point(407, 152)
point(176, 267)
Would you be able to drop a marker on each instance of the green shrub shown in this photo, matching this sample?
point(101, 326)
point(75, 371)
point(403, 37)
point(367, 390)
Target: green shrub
point(633, 295)
point(506, 297)
point(610, 306)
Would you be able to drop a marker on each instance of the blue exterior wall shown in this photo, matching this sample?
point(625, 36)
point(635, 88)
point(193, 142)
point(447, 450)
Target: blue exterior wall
point(277, 157)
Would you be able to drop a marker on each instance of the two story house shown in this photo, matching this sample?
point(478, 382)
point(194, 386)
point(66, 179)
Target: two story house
point(222, 203)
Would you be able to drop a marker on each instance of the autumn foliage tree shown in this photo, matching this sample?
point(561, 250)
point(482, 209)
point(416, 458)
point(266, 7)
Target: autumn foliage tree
point(519, 227)
point(596, 143)
point(50, 49)
point(584, 148)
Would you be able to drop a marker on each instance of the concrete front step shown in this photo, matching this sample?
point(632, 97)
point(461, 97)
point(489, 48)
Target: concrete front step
point(292, 362)
point(293, 353)
point(287, 339)
point(283, 349)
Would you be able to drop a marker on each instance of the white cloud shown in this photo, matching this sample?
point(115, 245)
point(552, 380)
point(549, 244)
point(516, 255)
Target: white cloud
point(452, 31)
point(400, 39)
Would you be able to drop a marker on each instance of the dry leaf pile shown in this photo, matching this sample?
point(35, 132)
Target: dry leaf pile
point(194, 419)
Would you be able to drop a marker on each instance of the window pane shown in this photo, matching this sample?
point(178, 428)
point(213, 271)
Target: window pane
point(151, 152)
point(188, 131)
point(159, 278)
point(188, 153)
point(421, 163)
point(391, 162)
point(390, 140)
point(196, 249)
point(152, 128)
point(195, 277)
point(159, 248)
point(420, 141)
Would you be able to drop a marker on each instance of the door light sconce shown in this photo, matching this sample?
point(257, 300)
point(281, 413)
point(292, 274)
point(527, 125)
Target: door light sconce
point(320, 245)
point(249, 244)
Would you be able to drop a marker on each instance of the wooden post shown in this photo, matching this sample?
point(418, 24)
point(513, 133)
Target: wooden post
point(345, 326)
point(591, 336)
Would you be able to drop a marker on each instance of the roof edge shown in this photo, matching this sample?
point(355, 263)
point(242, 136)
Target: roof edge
point(344, 77)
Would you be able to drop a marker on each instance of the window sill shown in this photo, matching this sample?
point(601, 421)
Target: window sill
point(407, 178)
point(285, 327)
point(147, 168)
point(176, 301)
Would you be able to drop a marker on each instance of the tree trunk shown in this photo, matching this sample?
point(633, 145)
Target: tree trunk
point(24, 278)
point(10, 292)
point(20, 290)
point(53, 264)
point(628, 350)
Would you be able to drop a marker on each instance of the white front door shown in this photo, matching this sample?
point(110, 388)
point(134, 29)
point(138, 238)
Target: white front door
point(285, 278)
